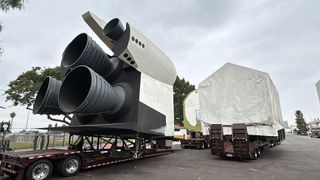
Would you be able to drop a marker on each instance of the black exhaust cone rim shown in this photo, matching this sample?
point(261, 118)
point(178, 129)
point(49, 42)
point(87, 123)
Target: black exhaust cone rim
point(74, 89)
point(47, 97)
point(74, 50)
point(114, 29)
point(85, 92)
point(83, 50)
point(42, 96)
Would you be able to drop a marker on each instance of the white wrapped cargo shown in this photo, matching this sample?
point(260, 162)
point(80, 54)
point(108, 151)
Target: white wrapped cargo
point(191, 110)
point(191, 116)
point(236, 94)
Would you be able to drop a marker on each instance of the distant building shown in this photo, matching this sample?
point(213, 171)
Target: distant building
point(286, 127)
point(286, 124)
point(293, 128)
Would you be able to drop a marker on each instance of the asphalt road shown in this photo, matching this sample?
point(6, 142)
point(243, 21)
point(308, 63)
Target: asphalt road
point(297, 158)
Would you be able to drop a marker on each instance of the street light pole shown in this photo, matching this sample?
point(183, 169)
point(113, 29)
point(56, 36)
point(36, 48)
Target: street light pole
point(27, 120)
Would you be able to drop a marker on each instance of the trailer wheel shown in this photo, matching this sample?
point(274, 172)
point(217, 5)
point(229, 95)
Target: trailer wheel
point(39, 170)
point(203, 145)
point(258, 152)
point(69, 166)
point(206, 145)
point(254, 155)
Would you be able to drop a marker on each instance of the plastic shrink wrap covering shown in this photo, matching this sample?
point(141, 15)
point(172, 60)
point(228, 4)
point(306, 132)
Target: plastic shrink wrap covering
point(236, 94)
point(191, 114)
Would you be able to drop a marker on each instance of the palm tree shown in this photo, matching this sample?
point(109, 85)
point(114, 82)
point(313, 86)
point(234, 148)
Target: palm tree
point(299, 114)
point(12, 115)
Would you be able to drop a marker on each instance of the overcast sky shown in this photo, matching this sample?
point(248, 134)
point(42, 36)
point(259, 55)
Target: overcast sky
point(281, 38)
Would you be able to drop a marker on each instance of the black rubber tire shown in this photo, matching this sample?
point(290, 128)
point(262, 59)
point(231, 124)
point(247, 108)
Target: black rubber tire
point(254, 155)
point(258, 152)
point(28, 174)
point(61, 166)
point(203, 146)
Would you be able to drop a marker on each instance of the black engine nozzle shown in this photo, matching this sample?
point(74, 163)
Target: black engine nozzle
point(47, 98)
point(85, 92)
point(113, 29)
point(83, 50)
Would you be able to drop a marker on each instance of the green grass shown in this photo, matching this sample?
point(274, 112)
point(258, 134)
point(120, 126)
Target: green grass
point(21, 145)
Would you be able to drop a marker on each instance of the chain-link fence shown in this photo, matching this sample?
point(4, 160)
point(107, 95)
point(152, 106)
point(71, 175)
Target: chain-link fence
point(33, 140)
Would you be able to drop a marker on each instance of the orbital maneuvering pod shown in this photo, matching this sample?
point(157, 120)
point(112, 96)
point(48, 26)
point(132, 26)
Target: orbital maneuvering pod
point(130, 91)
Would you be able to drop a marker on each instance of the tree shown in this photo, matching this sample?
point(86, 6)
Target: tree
point(301, 124)
point(181, 89)
point(12, 115)
point(22, 91)
point(6, 5)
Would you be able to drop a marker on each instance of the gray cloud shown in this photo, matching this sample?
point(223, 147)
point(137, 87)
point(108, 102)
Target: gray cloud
point(278, 37)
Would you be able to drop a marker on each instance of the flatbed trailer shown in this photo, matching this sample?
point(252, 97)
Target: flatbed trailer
point(84, 153)
point(240, 144)
point(197, 141)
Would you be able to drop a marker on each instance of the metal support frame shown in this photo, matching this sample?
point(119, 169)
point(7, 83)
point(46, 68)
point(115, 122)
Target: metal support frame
point(110, 144)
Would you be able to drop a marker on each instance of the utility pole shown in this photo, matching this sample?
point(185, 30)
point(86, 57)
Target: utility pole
point(27, 120)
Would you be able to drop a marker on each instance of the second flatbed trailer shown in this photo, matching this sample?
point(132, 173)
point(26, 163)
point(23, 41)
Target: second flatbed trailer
point(87, 151)
point(239, 144)
point(197, 140)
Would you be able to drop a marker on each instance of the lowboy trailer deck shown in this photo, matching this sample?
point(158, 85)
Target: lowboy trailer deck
point(197, 141)
point(240, 144)
point(84, 153)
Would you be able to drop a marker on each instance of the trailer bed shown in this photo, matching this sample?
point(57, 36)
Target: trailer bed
point(239, 144)
point(26, 154)
point(83, 153)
